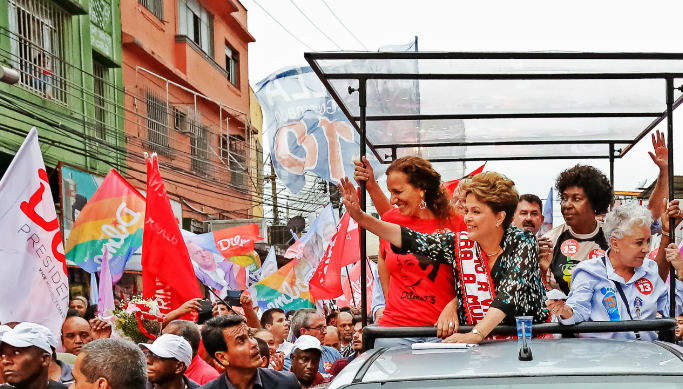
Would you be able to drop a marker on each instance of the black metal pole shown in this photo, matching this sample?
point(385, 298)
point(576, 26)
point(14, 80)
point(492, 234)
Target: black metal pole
point(362, 103)
point(672, 220)
point(611, 164)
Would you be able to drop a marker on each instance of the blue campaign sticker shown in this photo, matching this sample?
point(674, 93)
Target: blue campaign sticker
point(609, 301)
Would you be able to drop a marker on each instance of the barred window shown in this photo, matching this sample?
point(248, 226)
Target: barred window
point(237, 153)
point(38, 43)
point(156, 7)
point(200, 150)
point(157, 124)
point(104, 96)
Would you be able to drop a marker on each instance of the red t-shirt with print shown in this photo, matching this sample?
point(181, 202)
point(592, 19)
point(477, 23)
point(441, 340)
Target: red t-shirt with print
point(419, 288)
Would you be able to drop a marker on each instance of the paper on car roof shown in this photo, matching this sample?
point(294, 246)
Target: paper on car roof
point(441, 346)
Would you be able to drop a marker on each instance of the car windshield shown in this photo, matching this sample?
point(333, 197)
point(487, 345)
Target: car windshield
point(557, 382)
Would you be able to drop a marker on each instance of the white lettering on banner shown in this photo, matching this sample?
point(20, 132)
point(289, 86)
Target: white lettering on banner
point(163, 296)
point(160, 230)
point(288, 294)
point(295, 113)
point(157, 185)
point(119, 232)
point(274, 89)
point(226, 244)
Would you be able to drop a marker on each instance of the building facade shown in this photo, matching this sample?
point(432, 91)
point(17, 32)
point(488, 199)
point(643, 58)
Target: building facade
point(187, 99)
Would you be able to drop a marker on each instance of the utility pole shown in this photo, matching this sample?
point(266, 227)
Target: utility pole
point(273, 186)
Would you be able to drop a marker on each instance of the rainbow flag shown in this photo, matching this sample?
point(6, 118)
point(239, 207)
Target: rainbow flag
point(285, 289)
point(113, 217)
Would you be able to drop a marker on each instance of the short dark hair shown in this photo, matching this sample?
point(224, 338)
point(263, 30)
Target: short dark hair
point(212, 333)
point(263, 348)
point(345, 309)
point(267, 317)
point(120, 362)
point(188, 331)
point(71, 313)
point(90, 312)
point(531, 199)
point(596, 185)
point(331, 316)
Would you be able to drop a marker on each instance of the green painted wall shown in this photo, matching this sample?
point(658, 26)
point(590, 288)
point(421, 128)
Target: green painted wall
point(67, 129)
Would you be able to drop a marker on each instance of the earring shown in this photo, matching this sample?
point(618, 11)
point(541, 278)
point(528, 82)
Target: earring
point(423, 204)
point(616, 249)
point(498, 224)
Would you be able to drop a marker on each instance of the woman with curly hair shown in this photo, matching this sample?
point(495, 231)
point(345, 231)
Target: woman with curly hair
point(496, 264)
point(586, 193)
point(417, 289)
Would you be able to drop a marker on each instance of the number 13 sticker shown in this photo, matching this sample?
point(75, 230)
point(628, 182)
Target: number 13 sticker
point(569, 247)
point(644, 286)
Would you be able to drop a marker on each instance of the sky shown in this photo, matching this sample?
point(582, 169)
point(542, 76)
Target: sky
point(495, 25)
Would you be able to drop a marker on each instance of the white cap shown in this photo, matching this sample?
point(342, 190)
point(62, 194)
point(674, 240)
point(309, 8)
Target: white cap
point(307, 342)
point(4, 328)
point(28, 334)
point(171, 346)
point(44, 330)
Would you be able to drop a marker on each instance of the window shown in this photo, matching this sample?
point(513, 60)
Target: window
point(235, 154)
point(200, 150)
point(38, 44)
point(156, 7)
point(232, 65)
point(157, 124)
point(104, 95)
point(197, 24)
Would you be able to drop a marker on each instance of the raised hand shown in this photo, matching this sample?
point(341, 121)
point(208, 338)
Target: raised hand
point(351, 201)
point(661, 153)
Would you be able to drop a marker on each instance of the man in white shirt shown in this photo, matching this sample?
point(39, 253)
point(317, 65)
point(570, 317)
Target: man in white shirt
point(274, 320)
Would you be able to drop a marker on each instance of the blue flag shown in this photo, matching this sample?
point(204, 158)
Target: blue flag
point(547, 214)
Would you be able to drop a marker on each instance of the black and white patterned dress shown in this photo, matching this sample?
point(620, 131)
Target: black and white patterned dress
point(516, 274)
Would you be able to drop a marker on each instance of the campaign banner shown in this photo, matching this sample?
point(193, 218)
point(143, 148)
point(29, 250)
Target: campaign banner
point(34, 286)
point(284, 290)
point(307, 130)
point(308, 250)
point(268, 268)
point(326, 281)
point(112, 220)
point(235, 244)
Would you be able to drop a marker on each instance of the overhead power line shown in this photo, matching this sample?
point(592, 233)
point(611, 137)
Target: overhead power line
point(342, 23)
point(283, 27)
point(316, 27)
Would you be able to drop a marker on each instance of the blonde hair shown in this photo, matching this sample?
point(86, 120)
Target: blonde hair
point(496, 191)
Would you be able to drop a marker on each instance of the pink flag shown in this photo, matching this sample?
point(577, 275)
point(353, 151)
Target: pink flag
point(352, 288)
point(105, 301)
point(33, 281)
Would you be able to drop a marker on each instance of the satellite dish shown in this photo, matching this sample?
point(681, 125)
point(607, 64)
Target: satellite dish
point(296, 224)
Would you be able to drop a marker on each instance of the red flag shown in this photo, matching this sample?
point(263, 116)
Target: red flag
point(167, 272)
point(354, 286)
point(326, 281)
point(452, 185)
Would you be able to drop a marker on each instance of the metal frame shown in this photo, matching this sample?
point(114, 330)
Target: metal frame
point(360, 122)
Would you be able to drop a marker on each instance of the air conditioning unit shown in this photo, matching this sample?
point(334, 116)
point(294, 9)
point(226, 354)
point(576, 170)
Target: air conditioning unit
point(186, 120)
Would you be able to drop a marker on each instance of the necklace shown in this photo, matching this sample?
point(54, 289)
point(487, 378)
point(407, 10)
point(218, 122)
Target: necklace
point(496, 253)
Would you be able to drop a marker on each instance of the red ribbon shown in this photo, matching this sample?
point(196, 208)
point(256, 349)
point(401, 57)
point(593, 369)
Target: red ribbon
point(139, 315)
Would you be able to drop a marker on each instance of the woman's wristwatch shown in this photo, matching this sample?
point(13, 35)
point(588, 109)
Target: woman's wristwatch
point(477, 332)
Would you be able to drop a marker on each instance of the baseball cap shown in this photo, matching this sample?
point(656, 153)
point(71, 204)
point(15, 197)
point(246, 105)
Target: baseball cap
point(171, 346)
point(45, 331)
point(307, 342)
point(28, 334)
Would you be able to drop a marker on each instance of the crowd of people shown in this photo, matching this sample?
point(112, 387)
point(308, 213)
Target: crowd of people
point(474, 257)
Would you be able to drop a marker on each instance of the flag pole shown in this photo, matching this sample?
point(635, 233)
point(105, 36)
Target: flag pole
point(222, 301)
point(348, 278)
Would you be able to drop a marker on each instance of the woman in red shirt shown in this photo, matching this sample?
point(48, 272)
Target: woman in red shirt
point(418, 291)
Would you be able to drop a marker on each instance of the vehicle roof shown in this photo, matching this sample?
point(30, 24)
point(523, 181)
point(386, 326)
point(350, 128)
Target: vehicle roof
point(500, 359)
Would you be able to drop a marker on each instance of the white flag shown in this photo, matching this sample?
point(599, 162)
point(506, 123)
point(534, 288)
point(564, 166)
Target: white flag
point(33, 282)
